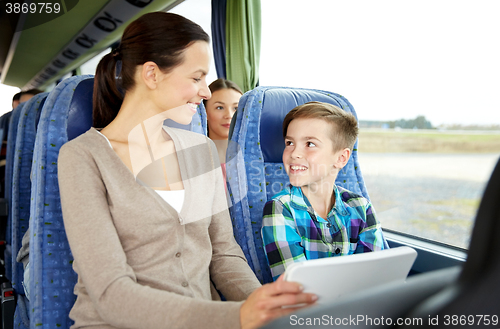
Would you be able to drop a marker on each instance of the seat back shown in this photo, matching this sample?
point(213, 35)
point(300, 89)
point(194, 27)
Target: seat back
point(254, 166)
point(9, 166)
point(21, 181)
point(4, 129)
point(52, 277)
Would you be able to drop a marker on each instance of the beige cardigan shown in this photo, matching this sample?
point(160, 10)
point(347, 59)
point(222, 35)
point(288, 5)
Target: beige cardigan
point(137, 265)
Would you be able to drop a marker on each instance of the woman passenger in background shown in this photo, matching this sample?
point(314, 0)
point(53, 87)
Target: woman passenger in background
point(220, 110)
point(145, 257)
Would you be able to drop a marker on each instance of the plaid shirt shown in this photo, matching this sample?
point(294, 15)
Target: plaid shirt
point(293, 232)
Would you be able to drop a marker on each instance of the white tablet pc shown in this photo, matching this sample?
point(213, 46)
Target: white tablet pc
point(334, 277)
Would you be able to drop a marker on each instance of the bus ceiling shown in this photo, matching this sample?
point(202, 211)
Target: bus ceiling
point(41, 42)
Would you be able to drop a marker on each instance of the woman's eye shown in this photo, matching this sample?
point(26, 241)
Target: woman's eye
point(311, 144)
point(196, 79)
point(219, 108)
point(235, 109)
point(288, 143)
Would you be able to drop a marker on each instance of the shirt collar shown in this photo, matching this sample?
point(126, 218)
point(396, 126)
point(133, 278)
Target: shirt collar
point(299, 201)
point(339, 203)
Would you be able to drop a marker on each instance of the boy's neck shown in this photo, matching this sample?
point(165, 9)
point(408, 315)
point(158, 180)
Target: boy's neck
point(321, 201)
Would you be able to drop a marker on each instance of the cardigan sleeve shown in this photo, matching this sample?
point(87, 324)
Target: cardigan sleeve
point(229, 269)
point(101, 262)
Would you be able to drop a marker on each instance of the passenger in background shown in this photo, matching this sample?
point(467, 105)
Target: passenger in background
point(220, 110)
point(23, 253)
point(312, 217)
point(26, 95)
point(146, 259)
point(16, 100)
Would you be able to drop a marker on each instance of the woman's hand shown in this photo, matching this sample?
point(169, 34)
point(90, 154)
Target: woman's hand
point(265, 303)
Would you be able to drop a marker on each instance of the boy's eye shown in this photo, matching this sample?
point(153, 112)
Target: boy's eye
point(219, 108)
point(288, 143)
point(196, 79)
point(311, 144)
point(235, 109)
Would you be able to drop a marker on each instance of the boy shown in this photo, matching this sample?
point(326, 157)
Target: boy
point(312, 217)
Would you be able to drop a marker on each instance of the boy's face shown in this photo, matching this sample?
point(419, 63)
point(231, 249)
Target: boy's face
point(309, 157)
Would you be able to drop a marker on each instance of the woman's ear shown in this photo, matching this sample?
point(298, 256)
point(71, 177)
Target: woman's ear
point(150, 74)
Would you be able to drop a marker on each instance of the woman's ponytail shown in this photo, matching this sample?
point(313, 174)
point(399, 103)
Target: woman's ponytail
point(107, 98)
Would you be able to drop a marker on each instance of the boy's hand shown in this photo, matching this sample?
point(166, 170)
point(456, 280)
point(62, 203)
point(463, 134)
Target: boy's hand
point(265, 303)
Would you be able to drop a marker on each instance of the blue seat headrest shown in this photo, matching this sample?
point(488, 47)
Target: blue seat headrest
point(39, 112)
point(80, 109)
point(276, 104)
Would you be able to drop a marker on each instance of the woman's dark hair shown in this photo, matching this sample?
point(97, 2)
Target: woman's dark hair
point(158, 37)
point(222, 84)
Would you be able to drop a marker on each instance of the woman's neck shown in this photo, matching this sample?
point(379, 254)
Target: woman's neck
point(137, 133)
point(135, 111)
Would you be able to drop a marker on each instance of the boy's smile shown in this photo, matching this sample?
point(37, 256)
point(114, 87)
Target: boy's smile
point(309, 156)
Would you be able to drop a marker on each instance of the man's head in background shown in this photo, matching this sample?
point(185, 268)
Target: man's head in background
point(26, 95)
point(16, 99)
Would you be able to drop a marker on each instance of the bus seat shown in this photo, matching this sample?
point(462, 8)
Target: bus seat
point(202, 117)
point(254, 165)
point(4, 127)
point(21, 182)
point(67, 112)
point(9, 166)
point(20, 198)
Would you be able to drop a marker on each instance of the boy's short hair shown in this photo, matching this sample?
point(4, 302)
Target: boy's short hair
point(347, 127)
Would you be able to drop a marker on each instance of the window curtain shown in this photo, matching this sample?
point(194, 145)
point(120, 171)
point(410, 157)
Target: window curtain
point(219, 36)
point(243, 36)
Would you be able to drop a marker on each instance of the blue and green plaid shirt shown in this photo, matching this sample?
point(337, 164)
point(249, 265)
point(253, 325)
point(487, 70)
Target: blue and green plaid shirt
point(293, 232)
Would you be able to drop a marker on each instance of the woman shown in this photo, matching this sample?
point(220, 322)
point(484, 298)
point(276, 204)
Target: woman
point(146, 259)
point(220, 110)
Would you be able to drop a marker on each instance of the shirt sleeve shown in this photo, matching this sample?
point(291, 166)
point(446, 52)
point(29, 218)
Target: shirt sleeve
point(101, 262)
point(371, 237)
point(282, 241)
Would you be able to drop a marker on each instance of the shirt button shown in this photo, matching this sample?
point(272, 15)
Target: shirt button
point(178, 255)
point(184, 284)
point(328, 225)
point(337, 251)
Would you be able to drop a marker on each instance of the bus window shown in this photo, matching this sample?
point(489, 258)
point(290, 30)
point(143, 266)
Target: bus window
point(90, 66)
point(423, 80)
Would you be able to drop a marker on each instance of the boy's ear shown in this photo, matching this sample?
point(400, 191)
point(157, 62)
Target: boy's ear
point(342, 158)
point(150, 74)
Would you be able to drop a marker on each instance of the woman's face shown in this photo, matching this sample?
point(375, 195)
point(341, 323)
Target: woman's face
point(182, 89)
point(220, 109)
